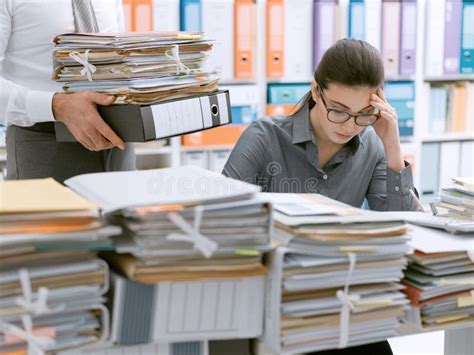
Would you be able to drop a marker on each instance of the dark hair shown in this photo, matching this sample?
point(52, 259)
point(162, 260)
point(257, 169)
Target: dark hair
point(349, 62)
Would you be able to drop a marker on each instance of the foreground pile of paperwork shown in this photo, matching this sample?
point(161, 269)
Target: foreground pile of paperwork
point(52, 284)
point(334, 281)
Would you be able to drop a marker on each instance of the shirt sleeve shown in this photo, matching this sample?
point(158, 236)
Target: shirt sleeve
point(18, 104)
point(247, 160)
point(390, 190)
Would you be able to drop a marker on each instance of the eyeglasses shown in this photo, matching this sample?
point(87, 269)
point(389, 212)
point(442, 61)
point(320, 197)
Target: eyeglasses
point(339, 116)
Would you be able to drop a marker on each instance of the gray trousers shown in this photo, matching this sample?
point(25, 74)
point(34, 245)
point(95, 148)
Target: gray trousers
point(32, 153)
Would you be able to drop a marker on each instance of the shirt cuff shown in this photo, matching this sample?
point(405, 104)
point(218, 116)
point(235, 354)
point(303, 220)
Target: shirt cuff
point(398, 187)
point(39, 106)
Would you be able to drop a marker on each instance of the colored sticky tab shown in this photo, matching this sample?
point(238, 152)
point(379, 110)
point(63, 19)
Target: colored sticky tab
point(247, 252)
point(460, 281)
point(192, 36)
point(466, 301)
point(450, 318)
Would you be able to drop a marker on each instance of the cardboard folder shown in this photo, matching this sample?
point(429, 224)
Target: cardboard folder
point(140, 123)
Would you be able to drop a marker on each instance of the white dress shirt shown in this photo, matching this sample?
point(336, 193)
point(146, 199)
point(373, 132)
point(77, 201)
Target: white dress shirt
point(27, 30)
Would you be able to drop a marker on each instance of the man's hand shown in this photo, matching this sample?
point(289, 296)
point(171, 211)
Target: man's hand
point(78, 112)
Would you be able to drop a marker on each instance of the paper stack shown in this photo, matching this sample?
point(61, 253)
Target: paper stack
point(441, 287)
point(52, 284)
point(182, 224)
point(191, 251)
point(458, 199)
point(139, 68)
point(334, 282)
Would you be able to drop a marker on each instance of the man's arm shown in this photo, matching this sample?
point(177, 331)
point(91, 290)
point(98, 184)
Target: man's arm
point(18, 104)
point(22, 106)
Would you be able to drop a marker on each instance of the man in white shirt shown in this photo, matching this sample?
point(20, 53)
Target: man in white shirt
point(30, 101)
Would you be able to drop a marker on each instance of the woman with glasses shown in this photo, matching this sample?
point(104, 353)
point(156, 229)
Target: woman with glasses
point(342, 142)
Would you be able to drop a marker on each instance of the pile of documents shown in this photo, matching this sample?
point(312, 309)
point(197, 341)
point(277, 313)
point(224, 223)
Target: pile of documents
point(181, 223)
point(140, 68)
point(458, 199)
point(52, 283)
point(441, 286)
point(334, 281)
point(189, 262)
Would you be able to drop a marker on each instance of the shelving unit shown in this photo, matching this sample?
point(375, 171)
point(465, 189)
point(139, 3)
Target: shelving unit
point(411, 146)
point(171, 155)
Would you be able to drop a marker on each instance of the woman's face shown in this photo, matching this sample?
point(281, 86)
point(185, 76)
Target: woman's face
point(354, 100)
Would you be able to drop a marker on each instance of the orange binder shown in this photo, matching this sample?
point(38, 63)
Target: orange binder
point(280, 109)
point(143, 15)
point(244, 39)
point(226, 135)
point(128, 15)
point(275, 38)
point(459, 109)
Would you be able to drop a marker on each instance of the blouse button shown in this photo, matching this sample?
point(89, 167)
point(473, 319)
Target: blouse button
point(397, 188)
point(325, 177)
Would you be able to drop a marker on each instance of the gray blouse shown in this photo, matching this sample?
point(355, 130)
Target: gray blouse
point(280, 155)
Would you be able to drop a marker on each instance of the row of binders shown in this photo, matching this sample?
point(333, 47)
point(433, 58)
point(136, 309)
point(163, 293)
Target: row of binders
point(451, 108)
point(297, 32)
point(191, 255)
point(449, 30)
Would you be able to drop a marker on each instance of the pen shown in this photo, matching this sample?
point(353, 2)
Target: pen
point(418, 203)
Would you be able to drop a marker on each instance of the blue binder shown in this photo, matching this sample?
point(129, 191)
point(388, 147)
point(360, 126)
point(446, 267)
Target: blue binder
point(283, 94)
point(467, 37)
point(401, 95)
point(357, 19)
point(190, 15)
point(430, 168)
point(244, 114)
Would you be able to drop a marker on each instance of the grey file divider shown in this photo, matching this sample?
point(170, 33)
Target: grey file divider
point(141, 123)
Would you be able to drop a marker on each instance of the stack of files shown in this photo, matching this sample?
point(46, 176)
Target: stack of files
point(320, 239)
point(48, 241)
point(39, 215)
point(140, 68)
point(146, 254)
point(76, 282)
point(458, 199)
point(441, 288)
point(440, 275)
point(166, 223)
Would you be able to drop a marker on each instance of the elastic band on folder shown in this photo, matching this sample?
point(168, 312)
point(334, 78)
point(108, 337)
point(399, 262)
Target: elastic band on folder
point(37, 344)
point(346, 300)
point(38, 307)
point(173, 54)
point(192, 235)
point(83, 59)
